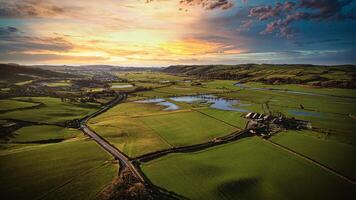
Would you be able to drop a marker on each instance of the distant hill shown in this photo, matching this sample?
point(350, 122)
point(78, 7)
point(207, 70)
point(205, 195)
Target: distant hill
point(325, 76)
point(102, 68)
point(16, 73)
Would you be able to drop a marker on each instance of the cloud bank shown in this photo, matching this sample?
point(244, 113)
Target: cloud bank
point(281, 16)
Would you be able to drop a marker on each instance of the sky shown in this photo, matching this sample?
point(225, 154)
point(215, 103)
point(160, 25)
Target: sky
point(170, 32)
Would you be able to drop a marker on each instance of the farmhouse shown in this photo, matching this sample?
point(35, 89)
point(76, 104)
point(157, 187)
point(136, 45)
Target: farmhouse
point(266, 125)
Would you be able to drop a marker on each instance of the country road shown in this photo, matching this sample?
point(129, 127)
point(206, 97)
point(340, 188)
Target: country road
point(124, 161)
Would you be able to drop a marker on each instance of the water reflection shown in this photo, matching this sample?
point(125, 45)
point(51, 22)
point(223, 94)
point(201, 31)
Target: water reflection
point(216, 102)
point(161, 102)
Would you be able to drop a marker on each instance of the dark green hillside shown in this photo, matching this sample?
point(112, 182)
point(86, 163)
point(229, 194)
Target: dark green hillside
point(324, 76)
point(17, 73)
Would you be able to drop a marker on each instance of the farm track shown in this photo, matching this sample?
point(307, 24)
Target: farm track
point(310, 160)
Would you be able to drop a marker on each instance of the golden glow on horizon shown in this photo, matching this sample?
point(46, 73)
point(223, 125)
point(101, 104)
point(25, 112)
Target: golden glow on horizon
point(129, 32)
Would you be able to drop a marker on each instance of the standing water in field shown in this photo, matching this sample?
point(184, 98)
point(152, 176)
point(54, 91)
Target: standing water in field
point(216, 102)
point(161, 102)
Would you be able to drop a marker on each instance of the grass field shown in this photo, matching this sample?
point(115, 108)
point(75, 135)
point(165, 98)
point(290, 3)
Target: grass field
point(139, 128)
point(186, 128)
point(23, 83)
point(148, 76)
point(338, 156)
point(230, 117)
point(54, 171)
point(63, 83)
point(127, 132)
point(306, 88)
point(36, 134)
point(329, 113)
point(247, 169)
point(54, 111)
point(10, 104)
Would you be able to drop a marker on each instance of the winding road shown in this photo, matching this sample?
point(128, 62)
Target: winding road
point(123, 159)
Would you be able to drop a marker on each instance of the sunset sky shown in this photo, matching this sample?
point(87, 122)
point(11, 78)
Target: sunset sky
point(168, 32)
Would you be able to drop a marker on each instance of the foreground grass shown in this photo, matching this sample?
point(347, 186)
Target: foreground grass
point(247, 169)
point(338, 156)
point(66, 170)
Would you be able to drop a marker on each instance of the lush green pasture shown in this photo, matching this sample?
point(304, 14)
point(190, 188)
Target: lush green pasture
point(33, 134)
point(63, 83)
point(86, 186)
point(23, 83)
point(66, 170)
point(246, 169)
point(121, 127)
point(307, 88)
point(149, 76)
point(329, 113)
point(149, 84)
point(338, 156)
point(54, 111)
point(230, 117)
point(128, 134)
point(221, 84)
point(10, 104)
point(187, 128)
point(139, 128)
point(175, 90)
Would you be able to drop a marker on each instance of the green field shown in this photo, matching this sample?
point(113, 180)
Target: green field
point(138, 128)
point(148, 76)
point(52, 162)
point(43, 133)
point(54, 111)
point(127, 132)
point(63, 83)
point(331, 114)
point(23, 82)
point(230, 117)
point(305, 88)
point(54, 171)
point(336, 155)
point(246, 169)
point(187, 128)
point(10, 104)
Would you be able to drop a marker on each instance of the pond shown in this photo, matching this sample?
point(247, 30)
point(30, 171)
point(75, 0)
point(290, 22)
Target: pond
point(161, 102)
point(216, 102)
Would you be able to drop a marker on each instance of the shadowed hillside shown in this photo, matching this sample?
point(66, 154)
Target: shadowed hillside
point(16, 73)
